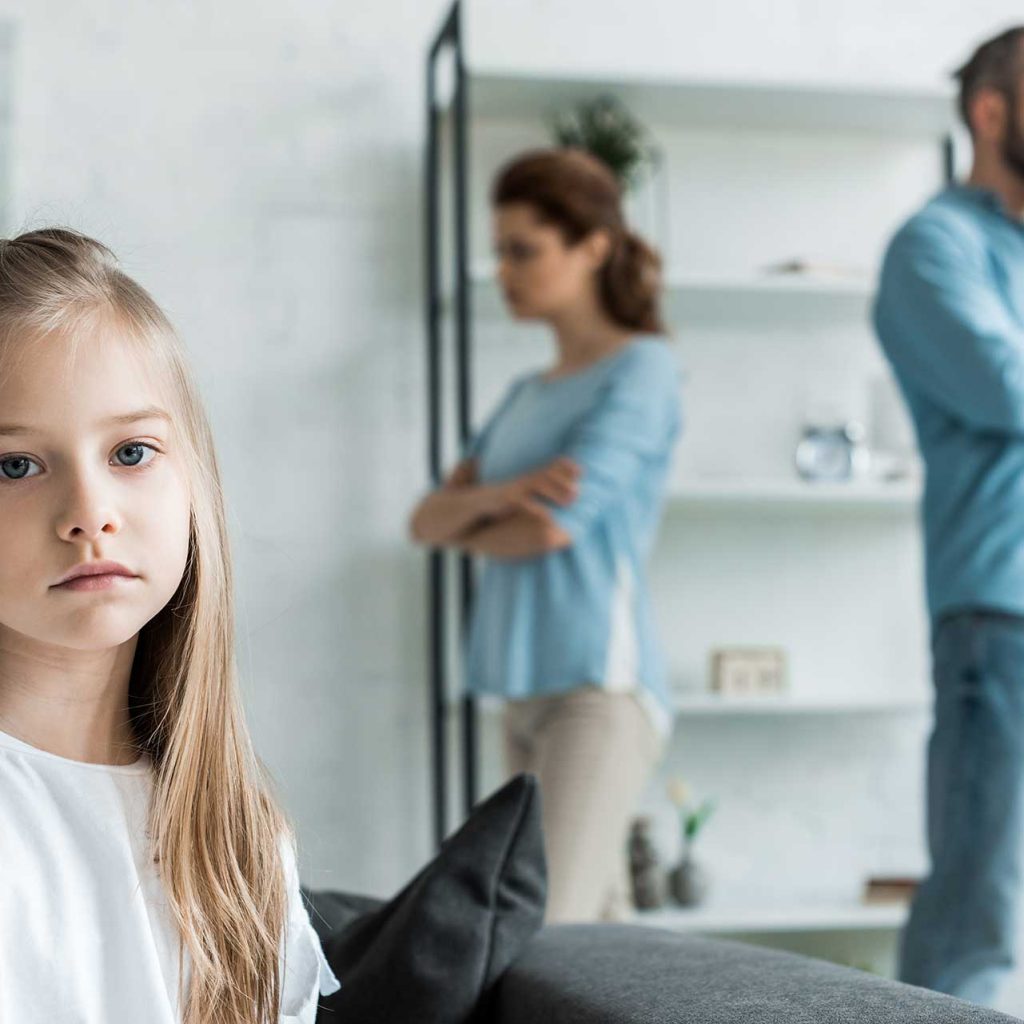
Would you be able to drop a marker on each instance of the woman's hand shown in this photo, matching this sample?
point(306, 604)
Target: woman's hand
point(557, 481)
point(462, 505)
point(526, 528)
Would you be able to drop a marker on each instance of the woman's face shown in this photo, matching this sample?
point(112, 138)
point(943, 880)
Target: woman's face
point(76, 486)
point(539, 275)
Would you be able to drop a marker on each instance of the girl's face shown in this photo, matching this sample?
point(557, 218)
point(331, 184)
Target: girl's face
point(540, 276)
point(77, 486)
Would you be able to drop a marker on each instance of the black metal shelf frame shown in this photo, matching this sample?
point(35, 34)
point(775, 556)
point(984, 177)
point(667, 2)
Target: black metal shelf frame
point(448, 44)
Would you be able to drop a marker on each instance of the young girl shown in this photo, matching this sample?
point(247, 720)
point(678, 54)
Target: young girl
point(561, 491)
point(146, 872)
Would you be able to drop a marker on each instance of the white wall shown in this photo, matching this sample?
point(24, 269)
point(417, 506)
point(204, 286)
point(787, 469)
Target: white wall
point(259, 169)
point(795, 40)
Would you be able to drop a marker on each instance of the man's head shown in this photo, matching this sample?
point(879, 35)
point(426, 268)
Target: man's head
point(992, 98)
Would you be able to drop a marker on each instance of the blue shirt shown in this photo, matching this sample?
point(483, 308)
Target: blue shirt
point(950, 316)
point(580, 615)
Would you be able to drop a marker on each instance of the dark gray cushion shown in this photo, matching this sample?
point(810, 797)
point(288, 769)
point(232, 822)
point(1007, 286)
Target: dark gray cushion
point(433, 952)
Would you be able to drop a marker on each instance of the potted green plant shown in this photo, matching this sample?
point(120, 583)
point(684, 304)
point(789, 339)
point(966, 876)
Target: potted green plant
point(689, 882)
point(605, 128)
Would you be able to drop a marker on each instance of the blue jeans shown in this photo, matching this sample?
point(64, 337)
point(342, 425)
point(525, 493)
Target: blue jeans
point(960, 938)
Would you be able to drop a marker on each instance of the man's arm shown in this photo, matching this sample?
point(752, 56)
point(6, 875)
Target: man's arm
point(947, 331)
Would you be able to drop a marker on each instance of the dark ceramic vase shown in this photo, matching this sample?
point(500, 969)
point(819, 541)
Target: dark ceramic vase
point(689, 882)
point(647, 875)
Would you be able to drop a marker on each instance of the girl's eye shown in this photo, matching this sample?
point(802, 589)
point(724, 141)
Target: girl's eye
point(19, 464)
point(16, 467)
point(139, 448)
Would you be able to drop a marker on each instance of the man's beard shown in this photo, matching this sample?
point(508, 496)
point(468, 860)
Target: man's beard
point(1013, 144)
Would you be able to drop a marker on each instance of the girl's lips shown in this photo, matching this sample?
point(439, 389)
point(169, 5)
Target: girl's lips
point(95, 568)
point(102, 582)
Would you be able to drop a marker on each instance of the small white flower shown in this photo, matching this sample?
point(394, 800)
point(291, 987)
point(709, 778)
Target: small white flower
point(678, 792)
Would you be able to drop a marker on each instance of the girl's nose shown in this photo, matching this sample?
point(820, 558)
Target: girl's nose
point(88, 531)
point(88, 513)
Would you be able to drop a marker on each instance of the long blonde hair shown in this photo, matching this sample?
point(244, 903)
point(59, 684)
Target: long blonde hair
point(214, 825)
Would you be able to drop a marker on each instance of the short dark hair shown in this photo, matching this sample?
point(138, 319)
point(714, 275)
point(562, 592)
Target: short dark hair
point(996, 64)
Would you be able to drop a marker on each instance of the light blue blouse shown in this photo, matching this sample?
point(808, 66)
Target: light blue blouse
point(581, 615)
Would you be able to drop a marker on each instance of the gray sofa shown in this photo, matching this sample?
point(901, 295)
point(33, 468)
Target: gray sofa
point(463, 943)
point(632, 974)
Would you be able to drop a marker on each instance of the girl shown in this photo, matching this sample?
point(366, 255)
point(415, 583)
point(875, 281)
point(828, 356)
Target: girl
point(561, 492)
point(146, 872)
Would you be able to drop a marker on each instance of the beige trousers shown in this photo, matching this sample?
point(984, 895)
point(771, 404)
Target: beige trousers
point(593, 751)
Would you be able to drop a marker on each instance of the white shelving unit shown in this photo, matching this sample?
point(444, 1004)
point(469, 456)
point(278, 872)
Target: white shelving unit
point(711, 704)
point(898, 110)
point(506, 109)
point(713, 920)
point(795, 495)
point(700, 296)
point(795, 284)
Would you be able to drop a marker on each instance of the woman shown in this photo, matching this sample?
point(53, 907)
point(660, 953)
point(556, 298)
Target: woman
point(561, 493)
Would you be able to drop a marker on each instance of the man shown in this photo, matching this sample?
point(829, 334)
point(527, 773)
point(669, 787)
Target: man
point(950, 316)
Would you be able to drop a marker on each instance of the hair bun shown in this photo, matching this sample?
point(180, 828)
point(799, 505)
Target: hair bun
point(631, 282)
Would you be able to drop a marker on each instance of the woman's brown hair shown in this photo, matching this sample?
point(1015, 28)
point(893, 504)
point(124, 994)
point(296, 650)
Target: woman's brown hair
point(577, 193)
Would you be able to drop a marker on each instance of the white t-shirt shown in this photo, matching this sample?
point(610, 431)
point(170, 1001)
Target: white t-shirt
point(86, 935)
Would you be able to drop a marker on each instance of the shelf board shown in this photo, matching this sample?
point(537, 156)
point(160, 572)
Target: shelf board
point(711, 704)
point(908, 111)
point(796, 285)
point(711, 920)
point(698, 298)
point(796, 494)
point(753, 284)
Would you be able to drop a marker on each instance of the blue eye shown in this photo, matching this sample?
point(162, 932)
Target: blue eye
point(17, 460)
point(22, 462)
point(138, 446)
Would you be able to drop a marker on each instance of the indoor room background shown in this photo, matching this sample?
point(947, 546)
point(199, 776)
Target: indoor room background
point(260, 168)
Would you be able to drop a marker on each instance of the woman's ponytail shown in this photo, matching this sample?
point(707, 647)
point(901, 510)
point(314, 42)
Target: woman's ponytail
point(631, 284)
